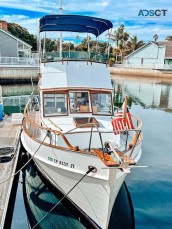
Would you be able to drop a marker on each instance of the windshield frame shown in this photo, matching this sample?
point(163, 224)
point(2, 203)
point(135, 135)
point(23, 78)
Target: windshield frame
point(53, 92)
point(68, 102)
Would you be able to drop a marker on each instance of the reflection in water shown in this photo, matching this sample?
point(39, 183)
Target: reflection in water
point(16, 96)
point(18, 89)
point(154, 93)
point(151, 188)
point(40, 197)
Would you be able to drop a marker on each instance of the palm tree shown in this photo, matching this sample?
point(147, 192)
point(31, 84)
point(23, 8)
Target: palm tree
point(155, 37)
point(114, 37)
point(169, 38)
point(124, 36)
point(120, 37)
point(134, 44)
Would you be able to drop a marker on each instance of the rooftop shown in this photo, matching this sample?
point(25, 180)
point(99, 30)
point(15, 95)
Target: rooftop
point(168, 51)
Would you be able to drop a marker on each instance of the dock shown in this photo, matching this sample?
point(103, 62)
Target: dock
point(9, 152)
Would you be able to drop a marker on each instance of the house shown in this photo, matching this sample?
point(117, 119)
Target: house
point(151, 53)
point(11, 46)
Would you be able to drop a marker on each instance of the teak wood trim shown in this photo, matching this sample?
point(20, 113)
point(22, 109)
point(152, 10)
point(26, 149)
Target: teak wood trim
point(48, 129)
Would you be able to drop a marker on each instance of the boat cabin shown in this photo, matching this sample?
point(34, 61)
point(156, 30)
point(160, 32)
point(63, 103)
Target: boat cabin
point(65, 92)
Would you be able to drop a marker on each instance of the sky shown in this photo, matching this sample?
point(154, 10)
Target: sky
point(144, 24)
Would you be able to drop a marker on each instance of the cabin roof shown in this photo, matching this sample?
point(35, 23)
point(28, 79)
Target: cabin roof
point(75, 75)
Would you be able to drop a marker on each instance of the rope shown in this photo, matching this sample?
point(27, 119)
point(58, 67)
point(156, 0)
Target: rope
point(88, 171)
point(26, 162)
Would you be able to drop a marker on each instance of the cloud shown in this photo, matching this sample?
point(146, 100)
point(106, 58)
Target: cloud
point(27, 13)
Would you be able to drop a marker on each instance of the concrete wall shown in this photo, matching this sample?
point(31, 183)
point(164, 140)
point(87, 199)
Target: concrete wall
point(8, 45)
point(13, 74)
point(149, 54)
point(141, 72)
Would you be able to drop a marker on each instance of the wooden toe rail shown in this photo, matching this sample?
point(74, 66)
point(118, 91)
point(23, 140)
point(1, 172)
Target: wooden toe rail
point(107, 160)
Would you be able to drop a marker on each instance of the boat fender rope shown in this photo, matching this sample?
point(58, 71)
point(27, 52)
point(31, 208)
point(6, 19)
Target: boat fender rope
point(90, 169)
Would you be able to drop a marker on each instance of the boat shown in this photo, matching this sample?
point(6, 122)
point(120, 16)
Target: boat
point(78, 140)
point(40, 196)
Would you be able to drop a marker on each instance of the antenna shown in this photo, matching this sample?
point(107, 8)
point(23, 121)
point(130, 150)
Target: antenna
point(60, 12)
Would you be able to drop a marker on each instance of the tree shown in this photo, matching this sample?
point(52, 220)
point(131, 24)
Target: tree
point(124, 36)
point(49, 44)
point(155, 37)
point(120, 37)
point(169, 38)
point(23, 34)
point(68, 46)
point(134, 44)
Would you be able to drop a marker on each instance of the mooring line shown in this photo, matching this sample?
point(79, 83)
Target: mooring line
point(88, 171)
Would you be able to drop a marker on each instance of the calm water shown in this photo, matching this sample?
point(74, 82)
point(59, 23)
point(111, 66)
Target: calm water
point(150, 188)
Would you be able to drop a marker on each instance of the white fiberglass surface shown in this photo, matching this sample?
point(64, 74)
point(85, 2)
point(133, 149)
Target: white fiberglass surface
point(75, 74)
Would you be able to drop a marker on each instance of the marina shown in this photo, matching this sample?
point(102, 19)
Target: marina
point(85, 116)
point(154, 181)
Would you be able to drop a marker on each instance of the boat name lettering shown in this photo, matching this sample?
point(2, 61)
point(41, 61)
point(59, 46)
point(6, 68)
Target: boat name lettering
point(61, 162)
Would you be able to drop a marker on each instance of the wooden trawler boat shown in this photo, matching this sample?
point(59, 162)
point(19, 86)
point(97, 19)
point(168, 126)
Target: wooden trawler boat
point(72, 132)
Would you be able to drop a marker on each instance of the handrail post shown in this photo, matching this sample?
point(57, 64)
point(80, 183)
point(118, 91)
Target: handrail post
point(101, 144)
point(135, 143)
point(126, 141)
point(90, 138)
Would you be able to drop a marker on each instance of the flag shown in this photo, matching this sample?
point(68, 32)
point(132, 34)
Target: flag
point(120, 121)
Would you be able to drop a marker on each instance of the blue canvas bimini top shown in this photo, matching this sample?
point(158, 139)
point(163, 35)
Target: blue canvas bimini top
point(75, 23)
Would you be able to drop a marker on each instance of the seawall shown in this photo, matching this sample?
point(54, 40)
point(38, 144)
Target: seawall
point(142, 72)
point(18, 74)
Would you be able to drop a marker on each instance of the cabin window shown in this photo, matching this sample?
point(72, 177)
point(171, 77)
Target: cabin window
point(55, 104)
point(79, 102)
point(101, 103)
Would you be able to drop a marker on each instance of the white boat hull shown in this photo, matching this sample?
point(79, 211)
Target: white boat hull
point(95, 194)
point(91, 195)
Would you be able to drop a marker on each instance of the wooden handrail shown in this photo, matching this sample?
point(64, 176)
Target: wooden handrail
point(75, 148)
point(48, 129)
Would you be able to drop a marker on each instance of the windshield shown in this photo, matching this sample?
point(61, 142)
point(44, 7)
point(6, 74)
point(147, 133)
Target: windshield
point(101, 103)
point(79, 102)
point(75, 102)
point(55, 104)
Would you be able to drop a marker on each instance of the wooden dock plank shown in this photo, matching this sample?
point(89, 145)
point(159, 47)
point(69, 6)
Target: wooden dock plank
point(9, 137)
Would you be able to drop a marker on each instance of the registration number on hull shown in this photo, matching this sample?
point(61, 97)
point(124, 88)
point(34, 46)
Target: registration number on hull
point(61, 162)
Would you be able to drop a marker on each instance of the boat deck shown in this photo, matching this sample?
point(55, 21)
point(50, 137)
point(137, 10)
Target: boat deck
point(9, 151)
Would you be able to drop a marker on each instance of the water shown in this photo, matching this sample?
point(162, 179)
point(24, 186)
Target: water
point(16, 96)
point(36, 197)
point(150, 188)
